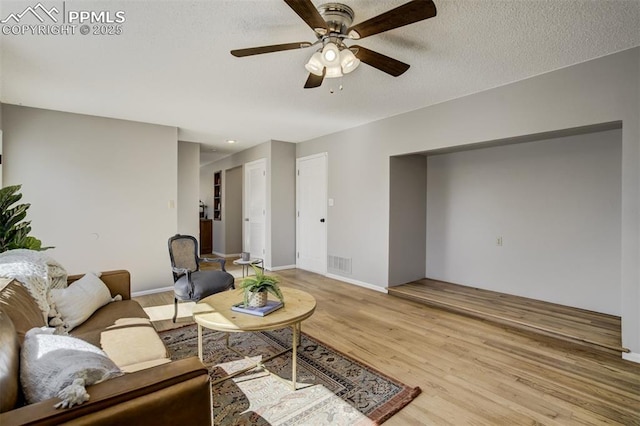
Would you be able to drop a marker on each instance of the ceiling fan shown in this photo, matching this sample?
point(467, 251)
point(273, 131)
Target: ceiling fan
point(331, 23)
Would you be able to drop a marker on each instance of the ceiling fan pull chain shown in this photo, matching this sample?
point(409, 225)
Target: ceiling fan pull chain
point(340, 86)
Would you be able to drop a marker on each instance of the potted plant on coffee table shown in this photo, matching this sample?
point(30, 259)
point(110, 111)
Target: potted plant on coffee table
point(257, 288)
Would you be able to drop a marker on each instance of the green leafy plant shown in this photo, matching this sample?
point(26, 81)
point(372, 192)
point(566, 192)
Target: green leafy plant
point(14, 231)
point(259, 283)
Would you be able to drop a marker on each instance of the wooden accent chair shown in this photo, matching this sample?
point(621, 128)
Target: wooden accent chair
point(191, 283)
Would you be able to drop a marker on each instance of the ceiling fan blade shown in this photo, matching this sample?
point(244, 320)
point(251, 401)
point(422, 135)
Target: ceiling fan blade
point(269, 49)
point(315, 80)
point(309, 14)
point(382, 62)
point(408, 13)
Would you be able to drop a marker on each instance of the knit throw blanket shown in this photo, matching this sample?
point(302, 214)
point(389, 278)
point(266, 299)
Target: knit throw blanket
point(37, 272)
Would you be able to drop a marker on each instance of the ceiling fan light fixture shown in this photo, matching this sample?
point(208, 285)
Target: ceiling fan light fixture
point(331, 23)
point(333, 72)
point(315, 65)
point(348, 61)
point(330, 54)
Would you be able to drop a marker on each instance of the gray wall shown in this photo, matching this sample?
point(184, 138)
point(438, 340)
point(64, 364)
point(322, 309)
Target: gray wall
point(189, 188)
point(599, 91)
point(407, 213)
point(233, 210)
point(100, 189)
point(283, 204)
point(555, 203)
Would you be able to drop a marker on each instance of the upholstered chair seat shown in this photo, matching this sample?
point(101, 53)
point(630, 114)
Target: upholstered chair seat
point(203, 284)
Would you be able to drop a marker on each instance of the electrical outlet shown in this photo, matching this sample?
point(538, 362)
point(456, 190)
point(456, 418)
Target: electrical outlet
point(499, 241)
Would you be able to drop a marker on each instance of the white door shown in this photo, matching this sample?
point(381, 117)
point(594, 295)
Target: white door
point(255, 208)
point(311, 220)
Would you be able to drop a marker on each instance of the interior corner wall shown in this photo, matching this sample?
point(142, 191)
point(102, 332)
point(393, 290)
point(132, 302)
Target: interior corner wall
point(99, 189)
point(280, 232)
point(602, 90)
point(555, 204)
point(206, 187)
point(188, 188)
point(407, 218)
point(283, 204)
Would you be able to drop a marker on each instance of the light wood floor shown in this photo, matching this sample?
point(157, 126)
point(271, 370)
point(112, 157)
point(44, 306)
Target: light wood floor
point(470, 371)
point(592, 329)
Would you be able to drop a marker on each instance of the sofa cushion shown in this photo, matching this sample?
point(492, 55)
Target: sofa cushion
point(18, 304)
point(106, 317)
point(10, 357)
point(61, 366)
point(79, 301)
point(125, 333)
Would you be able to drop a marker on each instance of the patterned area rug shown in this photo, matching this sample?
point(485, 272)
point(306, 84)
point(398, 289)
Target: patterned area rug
point(333, 389)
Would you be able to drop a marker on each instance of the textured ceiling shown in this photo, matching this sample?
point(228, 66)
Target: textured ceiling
point(171, 65)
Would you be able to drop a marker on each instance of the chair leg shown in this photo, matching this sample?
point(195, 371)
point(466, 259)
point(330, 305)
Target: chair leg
point(175, 309)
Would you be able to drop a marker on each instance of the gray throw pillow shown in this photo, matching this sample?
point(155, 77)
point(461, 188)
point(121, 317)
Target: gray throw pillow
point(61, 366)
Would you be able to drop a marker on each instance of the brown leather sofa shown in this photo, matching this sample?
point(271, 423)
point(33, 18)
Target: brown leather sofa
point(153, 391)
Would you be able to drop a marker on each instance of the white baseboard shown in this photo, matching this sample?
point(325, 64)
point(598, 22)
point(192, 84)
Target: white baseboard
point(226, 254)
point(152, 291)
point(356, 282)
point(281, 268)
point(631, 356)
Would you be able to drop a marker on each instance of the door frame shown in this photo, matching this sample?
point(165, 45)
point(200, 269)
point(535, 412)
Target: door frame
point(325, 212)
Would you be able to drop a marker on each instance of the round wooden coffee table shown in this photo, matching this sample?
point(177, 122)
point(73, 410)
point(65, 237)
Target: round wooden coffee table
point(214, 312)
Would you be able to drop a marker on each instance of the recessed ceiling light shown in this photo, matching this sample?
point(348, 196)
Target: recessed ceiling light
point(231, 141)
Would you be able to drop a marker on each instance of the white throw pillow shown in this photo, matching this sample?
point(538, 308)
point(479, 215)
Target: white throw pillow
point(80, 300)
point(61, 366)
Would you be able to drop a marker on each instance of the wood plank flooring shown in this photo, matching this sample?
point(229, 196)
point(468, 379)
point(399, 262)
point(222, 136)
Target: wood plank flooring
point(470, 371)
point(593, 329)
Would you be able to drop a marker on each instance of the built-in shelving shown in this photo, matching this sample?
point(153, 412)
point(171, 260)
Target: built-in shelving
point(217, 196)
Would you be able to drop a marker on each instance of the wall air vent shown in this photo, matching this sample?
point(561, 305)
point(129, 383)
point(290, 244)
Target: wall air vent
point(339, 264)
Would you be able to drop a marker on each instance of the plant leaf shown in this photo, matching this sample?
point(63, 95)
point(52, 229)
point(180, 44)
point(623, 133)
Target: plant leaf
point(260, 282)
point(14, 231)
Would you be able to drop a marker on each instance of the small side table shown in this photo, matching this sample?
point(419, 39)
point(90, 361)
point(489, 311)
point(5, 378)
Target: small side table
point(247, 263)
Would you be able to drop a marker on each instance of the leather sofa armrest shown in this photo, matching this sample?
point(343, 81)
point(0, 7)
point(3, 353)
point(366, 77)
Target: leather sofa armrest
point(119, 282)
point(154, 393)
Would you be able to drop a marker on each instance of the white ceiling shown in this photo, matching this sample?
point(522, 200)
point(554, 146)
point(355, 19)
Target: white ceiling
point(172, 64)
